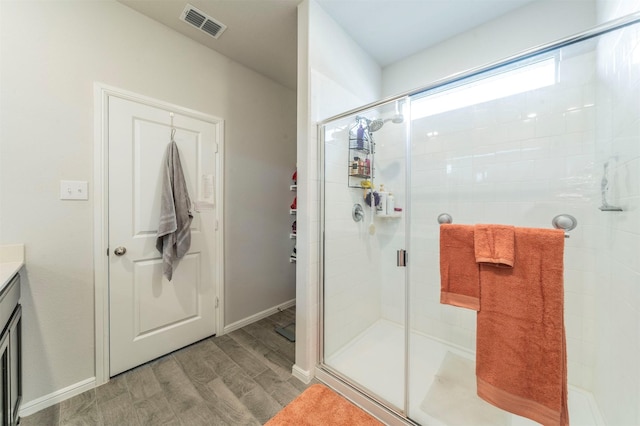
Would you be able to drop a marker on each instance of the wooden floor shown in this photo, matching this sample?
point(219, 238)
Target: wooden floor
point(242, 378)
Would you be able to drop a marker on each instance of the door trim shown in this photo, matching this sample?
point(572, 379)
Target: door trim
point(102, 92)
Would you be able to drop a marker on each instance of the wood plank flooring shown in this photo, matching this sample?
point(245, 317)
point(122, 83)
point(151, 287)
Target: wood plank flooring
point(242, 378)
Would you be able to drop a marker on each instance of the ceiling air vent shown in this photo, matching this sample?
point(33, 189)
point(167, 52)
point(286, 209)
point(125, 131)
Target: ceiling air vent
point(200, 20)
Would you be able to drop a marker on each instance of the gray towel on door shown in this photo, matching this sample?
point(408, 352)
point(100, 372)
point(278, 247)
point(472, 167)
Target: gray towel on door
point(174, 229)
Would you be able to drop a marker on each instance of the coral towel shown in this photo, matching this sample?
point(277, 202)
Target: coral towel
point(521, 363)
point(493, 244)
point(459, 273)
point(174, 229)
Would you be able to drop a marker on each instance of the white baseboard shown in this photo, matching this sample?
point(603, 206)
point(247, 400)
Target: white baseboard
point(303, 375)
point(257, 317)
point(28, 408)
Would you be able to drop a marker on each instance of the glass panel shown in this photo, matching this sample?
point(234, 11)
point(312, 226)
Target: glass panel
point(570, 145)
point(364, 296)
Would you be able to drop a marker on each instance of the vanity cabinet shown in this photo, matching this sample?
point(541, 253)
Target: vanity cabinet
point(10, 352)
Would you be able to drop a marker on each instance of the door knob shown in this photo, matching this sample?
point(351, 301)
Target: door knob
point(119, 251)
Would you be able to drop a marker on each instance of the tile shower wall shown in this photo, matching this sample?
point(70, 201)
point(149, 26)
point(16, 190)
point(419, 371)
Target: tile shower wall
point(351, 277)
point(617, 257)
point(362, 280)
point(351, 289)
point(390, 165)
point(519, 160)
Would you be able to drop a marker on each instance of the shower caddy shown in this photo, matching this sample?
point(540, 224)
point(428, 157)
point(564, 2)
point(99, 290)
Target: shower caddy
point(361, 153)
point(361, 150)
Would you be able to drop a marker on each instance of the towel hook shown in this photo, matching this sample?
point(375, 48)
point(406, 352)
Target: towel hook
point(173, 129)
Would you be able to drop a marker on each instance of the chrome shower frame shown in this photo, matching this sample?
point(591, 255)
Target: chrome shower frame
point(382, 409)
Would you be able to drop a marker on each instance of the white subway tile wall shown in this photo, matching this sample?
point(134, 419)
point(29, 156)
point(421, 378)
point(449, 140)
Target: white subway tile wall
point(518, 160)
point(616, 291)
point(351, 286)
point(522, 160)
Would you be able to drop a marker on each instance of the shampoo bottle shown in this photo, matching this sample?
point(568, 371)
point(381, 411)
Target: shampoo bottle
point(382, 207)
point(360, 137)
point(353, 170)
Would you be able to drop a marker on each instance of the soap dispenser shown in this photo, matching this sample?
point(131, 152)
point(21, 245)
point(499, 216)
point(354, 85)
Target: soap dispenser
point(391, 204)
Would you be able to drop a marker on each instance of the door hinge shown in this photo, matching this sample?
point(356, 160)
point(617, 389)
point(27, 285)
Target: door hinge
point(217, 302)
point(216, 148)
point(402, 257)
point(107, 251)
point(216, 224)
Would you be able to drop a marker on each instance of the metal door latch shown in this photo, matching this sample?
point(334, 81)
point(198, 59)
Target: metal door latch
point(119, 251)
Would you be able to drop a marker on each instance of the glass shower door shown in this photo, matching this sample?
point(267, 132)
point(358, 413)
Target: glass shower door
point(476, 148)
point(363, 216)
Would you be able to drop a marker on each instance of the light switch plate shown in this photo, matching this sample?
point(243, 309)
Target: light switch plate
point(74, 190)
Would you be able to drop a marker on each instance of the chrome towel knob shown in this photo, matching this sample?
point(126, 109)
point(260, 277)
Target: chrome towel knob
point(564, 221)
point(445, 218)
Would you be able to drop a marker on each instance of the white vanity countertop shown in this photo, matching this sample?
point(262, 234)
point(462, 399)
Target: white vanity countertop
point(11, 260)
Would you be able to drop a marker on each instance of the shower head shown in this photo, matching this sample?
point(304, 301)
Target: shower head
point(372, 125)
point(375, 125)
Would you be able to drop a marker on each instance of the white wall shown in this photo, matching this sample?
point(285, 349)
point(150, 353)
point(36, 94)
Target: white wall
point(52, 53)
point(616, 378)
point(334, 75)
point(536, 23)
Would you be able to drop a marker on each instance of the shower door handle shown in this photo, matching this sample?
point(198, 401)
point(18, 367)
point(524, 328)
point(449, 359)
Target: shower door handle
point(402, 257)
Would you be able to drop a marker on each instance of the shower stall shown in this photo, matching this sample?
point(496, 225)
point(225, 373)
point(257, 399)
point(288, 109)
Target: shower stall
point(552, 133)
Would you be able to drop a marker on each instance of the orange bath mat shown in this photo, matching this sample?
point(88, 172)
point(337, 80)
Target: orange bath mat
point(320, 406)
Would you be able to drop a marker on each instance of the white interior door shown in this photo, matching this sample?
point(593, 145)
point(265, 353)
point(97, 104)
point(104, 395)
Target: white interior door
point(149, 315)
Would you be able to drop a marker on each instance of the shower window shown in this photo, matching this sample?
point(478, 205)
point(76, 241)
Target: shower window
point(510, 82)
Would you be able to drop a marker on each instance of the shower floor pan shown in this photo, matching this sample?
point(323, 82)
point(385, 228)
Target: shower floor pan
point(375, 360)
